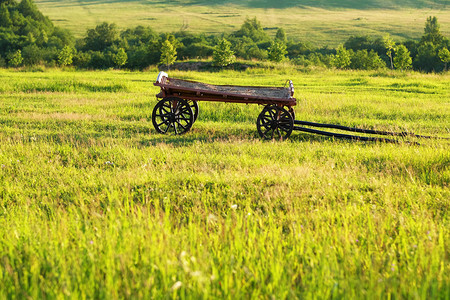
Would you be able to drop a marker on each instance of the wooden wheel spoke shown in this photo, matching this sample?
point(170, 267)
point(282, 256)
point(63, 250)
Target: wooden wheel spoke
point(164, 110)
point(178, 122)
point(273, 115)
point(161, 116)
point(167, 128)
point(279, 133)
point(183, 118)
point(163, 122)
point(267, 119)
point(284, 128)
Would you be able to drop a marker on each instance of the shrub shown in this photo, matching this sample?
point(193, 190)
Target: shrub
point(15, 59)
point(366, 60)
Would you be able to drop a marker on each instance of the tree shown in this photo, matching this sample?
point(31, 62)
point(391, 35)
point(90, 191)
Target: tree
point(223, 55)
point(101, 37)
point(356, 43)
point(444, 56)
point(2, 62)
point(120, 58)
point(65, 56)
point(168, 54)
point(15, 59)
point(252, 29)
point(366, 60)
point(389, 44)
point(342, 58)
point(402, 59)
point(281, 35)
point(277, 51)
point(32, 55)
point(432, 32)
point(427, 59)
point(5, 16)
point(7, 2)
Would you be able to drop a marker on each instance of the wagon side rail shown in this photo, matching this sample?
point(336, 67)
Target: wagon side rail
point(203, 94)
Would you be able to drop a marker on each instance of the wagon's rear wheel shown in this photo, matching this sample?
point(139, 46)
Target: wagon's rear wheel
point(194, 106)
point(172, 115)
point(274, 123)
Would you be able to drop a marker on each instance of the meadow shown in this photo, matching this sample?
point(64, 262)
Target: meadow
point(95, 204)
point(322, 23)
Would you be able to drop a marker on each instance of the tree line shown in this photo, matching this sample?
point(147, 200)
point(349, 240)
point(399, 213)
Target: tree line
point(29, 38)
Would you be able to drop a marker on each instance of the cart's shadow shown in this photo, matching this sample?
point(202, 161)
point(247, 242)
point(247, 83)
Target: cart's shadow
point(199, 137)
point(140, 134)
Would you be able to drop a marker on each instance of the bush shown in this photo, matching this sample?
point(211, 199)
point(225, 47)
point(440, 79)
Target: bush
point(223, 55)
point(364, 60)
point(2, 62)
point(342, 59)
point(402, 59)
point(32, 55)
point(15, 59)
point(65, 56)
point(427, 59)
point(277, 51)
point(82, 60)
point(100, 60)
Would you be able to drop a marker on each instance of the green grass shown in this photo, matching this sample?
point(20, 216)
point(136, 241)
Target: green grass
point(94, 203)
point(319, 22)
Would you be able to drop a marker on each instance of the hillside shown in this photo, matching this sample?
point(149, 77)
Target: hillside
point(302, 20)
point(354, 4)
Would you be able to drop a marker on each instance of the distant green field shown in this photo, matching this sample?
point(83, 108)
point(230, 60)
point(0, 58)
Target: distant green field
point(95, 204)
point(320, 22)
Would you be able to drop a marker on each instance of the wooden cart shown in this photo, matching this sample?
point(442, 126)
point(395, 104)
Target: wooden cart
point(178, 109)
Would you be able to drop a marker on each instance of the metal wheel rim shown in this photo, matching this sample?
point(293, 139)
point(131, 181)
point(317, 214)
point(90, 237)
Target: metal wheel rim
point(172, 115)
point(274, 123)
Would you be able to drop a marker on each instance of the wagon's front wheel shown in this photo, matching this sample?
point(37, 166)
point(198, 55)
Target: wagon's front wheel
point(274, 122)
point(172, 115)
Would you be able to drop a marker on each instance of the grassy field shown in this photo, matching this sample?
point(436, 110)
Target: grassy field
point(319, 22)
point(95, 204)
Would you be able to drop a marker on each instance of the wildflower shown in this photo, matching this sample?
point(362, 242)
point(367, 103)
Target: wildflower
point(211, 218)
point(196, 274)
point(91, 242)
point(176, 285)
point(234, 206)
point(109, 163)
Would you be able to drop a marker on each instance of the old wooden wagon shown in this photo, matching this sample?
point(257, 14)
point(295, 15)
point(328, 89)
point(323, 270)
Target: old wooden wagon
point(178, 109)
